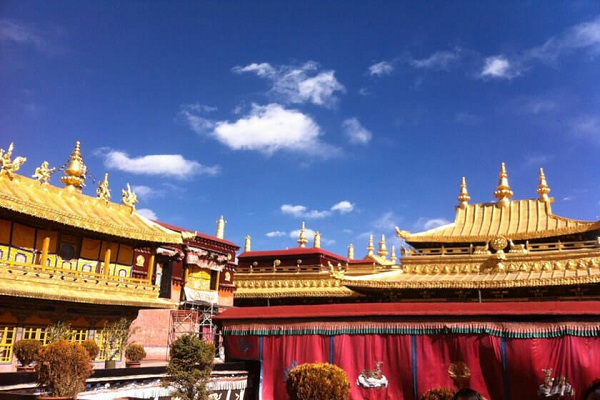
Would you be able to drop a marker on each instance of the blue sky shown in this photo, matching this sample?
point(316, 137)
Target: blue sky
point(352, 116)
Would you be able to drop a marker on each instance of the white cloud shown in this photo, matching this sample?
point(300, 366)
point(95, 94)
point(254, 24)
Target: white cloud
point(381, 69)
point(271, 128)
point(430, 223)
point(586, 127)
point(146, 212)
point(498, 67)
point(536, 160)
point(275, 234)
point(386, 222)
point(192, 114)
point(299, 84)
point(581, 36)
point(174, 165)
point(467, 118)
point(19, 32)
point(309, 233)
point(357, 134)
point(343, 207)
point(146, 192)
point(299, 211)
point(440, 60)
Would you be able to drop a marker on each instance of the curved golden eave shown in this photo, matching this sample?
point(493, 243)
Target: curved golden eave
point(71, 208)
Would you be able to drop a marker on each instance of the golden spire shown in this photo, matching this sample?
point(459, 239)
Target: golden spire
point(350, 251)
point(543, 188)
point(503, 192)
point(463, 196)
point(103, 192)
point(370, 246)
point(302, 239)
point(393, 257)
point(221, 228)
point(317, 240)
point(382, 247)
point(247, 244)
point(75, 173)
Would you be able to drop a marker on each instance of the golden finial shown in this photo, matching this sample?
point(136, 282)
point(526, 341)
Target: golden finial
point(382, 247)
point(10, 166)
point(463, 197)
point(129, 198)
point(43, 172)
point(302, 239)
point(103, 192)
point(543, 188)
point(503, 192)
point(393, 257)
point(317, 240)
point(247, 244)
point(370, 246)
point(350, 251)
point(75, 173)
point(221, 228)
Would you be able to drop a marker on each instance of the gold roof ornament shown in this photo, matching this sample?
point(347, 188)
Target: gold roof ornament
point(543, 188)
point(503, 192)
point(393, 256)
point(9, 166)
point(103, 192)
point(463, 196)
point(43, 173)
point(129, 198)
point(382, 247)
point(221, 228)
point(247, 244)
point(370, 246)
point(317, 240)
point(302, 238)
point(74, 178)
point(350, 251)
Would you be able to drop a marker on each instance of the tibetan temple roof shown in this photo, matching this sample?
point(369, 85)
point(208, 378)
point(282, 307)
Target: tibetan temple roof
point(70, 207)
point(512, 219)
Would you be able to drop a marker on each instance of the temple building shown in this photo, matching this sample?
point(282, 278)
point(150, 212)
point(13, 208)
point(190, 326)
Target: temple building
point(87, 261)
point(305, 275)
point(504, 299)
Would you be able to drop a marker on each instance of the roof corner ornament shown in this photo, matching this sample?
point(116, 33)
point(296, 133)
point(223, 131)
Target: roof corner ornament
point(247, 244)
point(103, 192)
point(76, 170)
point(350, 251)
point(221, 228)
point(10, 166)
point(402, 234)
point(543, 188)
point(43, 173)
point(503, 192)
point(317, 240)
point(370, 246)
point(302, 238)
point(463, 196)
point(382, 247)
point(393, 257)
point(129, 198)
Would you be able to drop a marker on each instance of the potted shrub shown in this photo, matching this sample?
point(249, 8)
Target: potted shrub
point(63, 367)
point(114, 339)
point(25, 351)
point(438, 393)
point(318, 381)
point(134, 354)
point(189, 368)
point(91, 347)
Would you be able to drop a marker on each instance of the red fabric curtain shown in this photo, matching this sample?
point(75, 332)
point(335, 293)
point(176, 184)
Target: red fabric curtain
point(353, 353)
point(577, 358)
point(242, 347)
point(282, 353)
point(481, 353)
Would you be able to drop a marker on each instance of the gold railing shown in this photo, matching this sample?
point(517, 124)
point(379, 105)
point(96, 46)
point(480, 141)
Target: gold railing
point(62, 273)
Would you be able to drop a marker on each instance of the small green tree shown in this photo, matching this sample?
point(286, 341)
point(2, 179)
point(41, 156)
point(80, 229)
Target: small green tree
point(58, 331)
point(189, 367)
point(115, 337)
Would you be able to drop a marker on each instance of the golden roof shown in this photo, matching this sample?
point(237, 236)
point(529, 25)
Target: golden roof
point(512, 219)
point(272, 287)
point(68, 206)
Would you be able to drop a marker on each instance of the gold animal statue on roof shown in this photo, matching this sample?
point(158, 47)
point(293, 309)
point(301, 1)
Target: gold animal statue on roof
point(103, 192)
point(43, 173)
point(129, 198)
point(9, 166)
